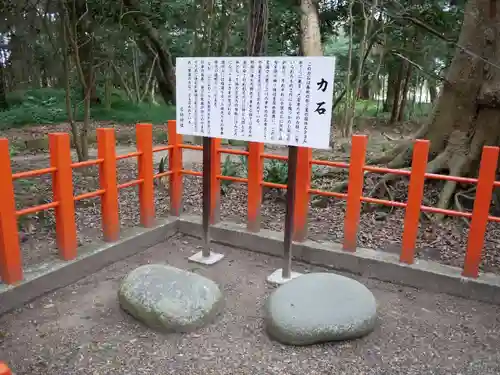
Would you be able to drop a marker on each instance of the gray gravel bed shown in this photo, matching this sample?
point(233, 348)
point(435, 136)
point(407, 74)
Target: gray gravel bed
point(80, 329)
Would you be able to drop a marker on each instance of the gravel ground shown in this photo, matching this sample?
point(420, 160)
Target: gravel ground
point(80, 329)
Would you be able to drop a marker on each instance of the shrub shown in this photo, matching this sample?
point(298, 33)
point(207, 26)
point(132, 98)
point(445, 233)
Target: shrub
point(48, 106)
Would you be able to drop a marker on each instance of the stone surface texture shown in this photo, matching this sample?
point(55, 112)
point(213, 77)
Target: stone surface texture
point(169, 299)
point(320, 307)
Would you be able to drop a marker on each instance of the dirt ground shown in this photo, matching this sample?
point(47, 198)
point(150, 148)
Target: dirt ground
point(80, 329)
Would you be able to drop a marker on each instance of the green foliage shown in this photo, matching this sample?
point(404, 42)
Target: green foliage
point(44, 106)
point(13, 149)
point(180, 28)
point(163, 167)
point(244, 165)
point(129, 113)
point(276, 171)
point(44, 96)
point(373, 108)
point(47, 106)
point(229, 169)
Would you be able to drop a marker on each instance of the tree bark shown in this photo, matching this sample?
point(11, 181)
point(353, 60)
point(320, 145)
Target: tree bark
point(396, 100)
point(208, 26)
point(309, 27)
point(65, 47)
point(80, 18)
point(17, 67)
point(391, 88)
point(467, 111)
point(404, 92)
point(257, 28)
point(3, 90)
point(151, 45)
point(432, 91)
point(364, 92)
point(227, 26)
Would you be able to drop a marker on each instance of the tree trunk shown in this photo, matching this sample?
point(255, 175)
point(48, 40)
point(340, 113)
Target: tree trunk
point(396, 100)
point(208, 26)
point(364, 92)
point(152, 93)
point(227, 26)
point(3, 90)
point(257, 28)
point(309, 26)
point(467, 111)
point(391, 89)
point(432, 91)
point(151, 45)
point(108, 87)
point(69, 38)
point(196, 18)
point(404, 92)
point(45, 76)
point(81, 23)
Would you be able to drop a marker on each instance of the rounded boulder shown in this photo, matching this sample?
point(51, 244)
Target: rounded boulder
point(320, 307)
point(169, 299)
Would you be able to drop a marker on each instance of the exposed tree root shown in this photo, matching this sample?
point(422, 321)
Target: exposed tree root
point(397, 157)
point(381, 188)
point(450, 187)
point(399, 160)
point(436, 165)
point(460, 153)
point(381, 185)
point(466, 195)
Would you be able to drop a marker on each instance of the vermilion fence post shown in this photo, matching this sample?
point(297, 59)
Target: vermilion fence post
point(354, 191)
point(4, 370)
point(480, 212)
point(62, 186)
point(302, 183)
point(106, 150)
point(255, 174)
point(11, 269)
point(215, 182)
point(144, 136)
point(415, 195)
point(175, 165)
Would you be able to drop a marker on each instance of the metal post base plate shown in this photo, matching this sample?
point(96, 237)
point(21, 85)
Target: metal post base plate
point(276, 278)
point(211, 259)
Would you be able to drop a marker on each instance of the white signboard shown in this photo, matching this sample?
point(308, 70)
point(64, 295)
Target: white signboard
point(280, 100)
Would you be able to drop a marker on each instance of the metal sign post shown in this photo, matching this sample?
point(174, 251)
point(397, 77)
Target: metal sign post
point(207, 191)
point(289, 215)
point(206, 256)
point(285, 274)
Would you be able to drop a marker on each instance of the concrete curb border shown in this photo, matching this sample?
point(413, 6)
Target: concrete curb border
point(91, 258)
point(374, 264)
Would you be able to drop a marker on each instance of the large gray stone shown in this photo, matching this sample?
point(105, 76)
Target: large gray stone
point(168, 298)
point(320, 307)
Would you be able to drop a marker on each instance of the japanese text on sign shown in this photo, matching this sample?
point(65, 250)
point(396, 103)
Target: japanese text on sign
point(280, 100)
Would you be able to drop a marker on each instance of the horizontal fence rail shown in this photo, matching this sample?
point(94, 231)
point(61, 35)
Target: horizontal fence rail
point(61, 168)
point(4, 370)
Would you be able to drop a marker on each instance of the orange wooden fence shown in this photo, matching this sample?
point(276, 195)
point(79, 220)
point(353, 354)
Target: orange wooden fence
point(61, 168)
point(4, 370)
